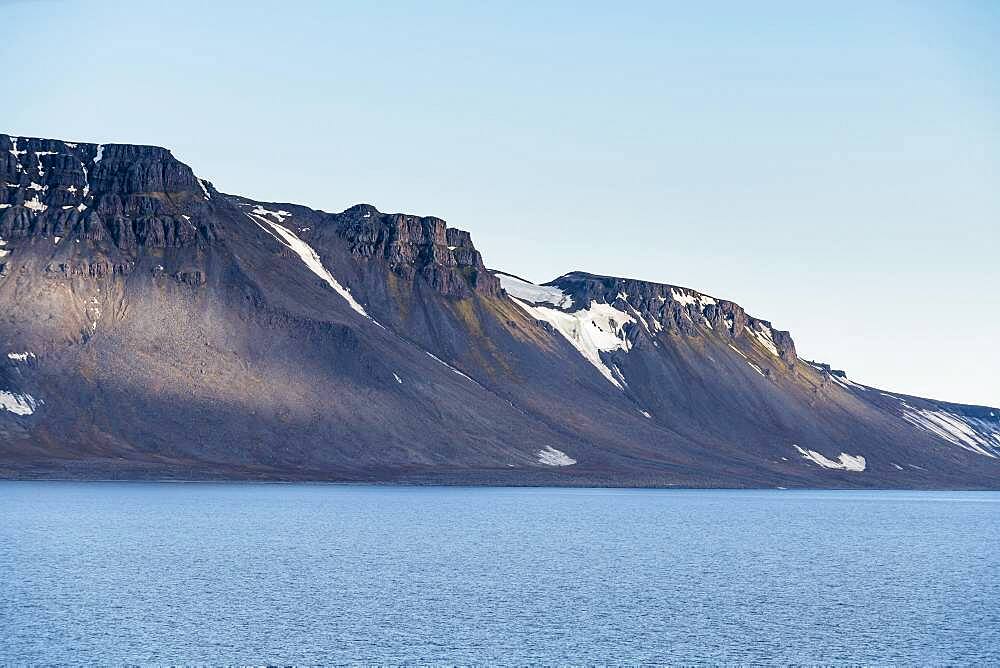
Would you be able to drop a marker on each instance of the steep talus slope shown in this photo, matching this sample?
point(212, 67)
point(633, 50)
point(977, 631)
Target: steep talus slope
point(154, 327)
point(704, 368)
point(155, 324)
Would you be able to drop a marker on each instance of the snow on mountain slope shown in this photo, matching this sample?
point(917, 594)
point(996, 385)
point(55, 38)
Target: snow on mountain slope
point(972, 428)
point(19, 404)
point(552, 457)
point(533, 294)
point(308, 256)
point(844, 461)
point(592, 330)
point(176, 331)
point(978, 434)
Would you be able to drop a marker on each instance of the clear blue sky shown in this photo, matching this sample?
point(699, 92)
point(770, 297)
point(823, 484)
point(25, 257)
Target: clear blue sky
point(834, 168)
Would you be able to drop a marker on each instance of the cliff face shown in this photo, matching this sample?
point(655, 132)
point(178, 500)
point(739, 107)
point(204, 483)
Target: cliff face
point(151, 326)
point(675, 309)
point(410, 245)
point(124, 196)
point(118, 200)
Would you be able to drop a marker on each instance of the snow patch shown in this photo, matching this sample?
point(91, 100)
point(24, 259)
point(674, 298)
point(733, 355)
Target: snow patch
point(100, 154)
point(311, 259)
point(688, 297)
point(454, 370)
point(552, 457)
point(35, 205)
point(38, 157)
point(18, 404)
point(597, 329)
point(844, 461)
point(973, 434)
point(94, 311)
point(21, 357)
point(535, 294)
point(764, 337)
point(14, 152)
point(201, 182)
point(398, 379)
point(280, 215)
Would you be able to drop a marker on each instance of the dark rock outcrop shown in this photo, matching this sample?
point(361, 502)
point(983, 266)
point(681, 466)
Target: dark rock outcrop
point(151, 326)
point(675, 309)
point(411, 245)
point(121, 195)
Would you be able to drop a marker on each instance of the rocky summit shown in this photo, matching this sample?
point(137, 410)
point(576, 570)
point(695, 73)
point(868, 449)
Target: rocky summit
point(152, 327)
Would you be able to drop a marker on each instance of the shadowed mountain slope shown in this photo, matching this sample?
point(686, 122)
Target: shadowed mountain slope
point(152, 326)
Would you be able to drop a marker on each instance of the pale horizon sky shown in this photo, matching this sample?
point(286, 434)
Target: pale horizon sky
point(833, 169)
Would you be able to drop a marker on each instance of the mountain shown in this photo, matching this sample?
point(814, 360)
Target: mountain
point(154, 327)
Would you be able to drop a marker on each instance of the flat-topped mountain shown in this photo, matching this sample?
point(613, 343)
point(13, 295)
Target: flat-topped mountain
point(153, 327)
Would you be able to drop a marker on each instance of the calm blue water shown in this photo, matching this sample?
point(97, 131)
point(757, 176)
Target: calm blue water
point(182, 573)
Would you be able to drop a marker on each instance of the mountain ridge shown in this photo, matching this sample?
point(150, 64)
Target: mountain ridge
point(156, 327)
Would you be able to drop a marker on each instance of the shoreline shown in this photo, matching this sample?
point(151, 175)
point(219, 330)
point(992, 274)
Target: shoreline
point(460, 485)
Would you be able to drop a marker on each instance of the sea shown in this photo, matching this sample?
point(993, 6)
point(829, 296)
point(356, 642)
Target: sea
point(206, 573)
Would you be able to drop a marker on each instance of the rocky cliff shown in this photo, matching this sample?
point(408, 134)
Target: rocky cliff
point(152, 326)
